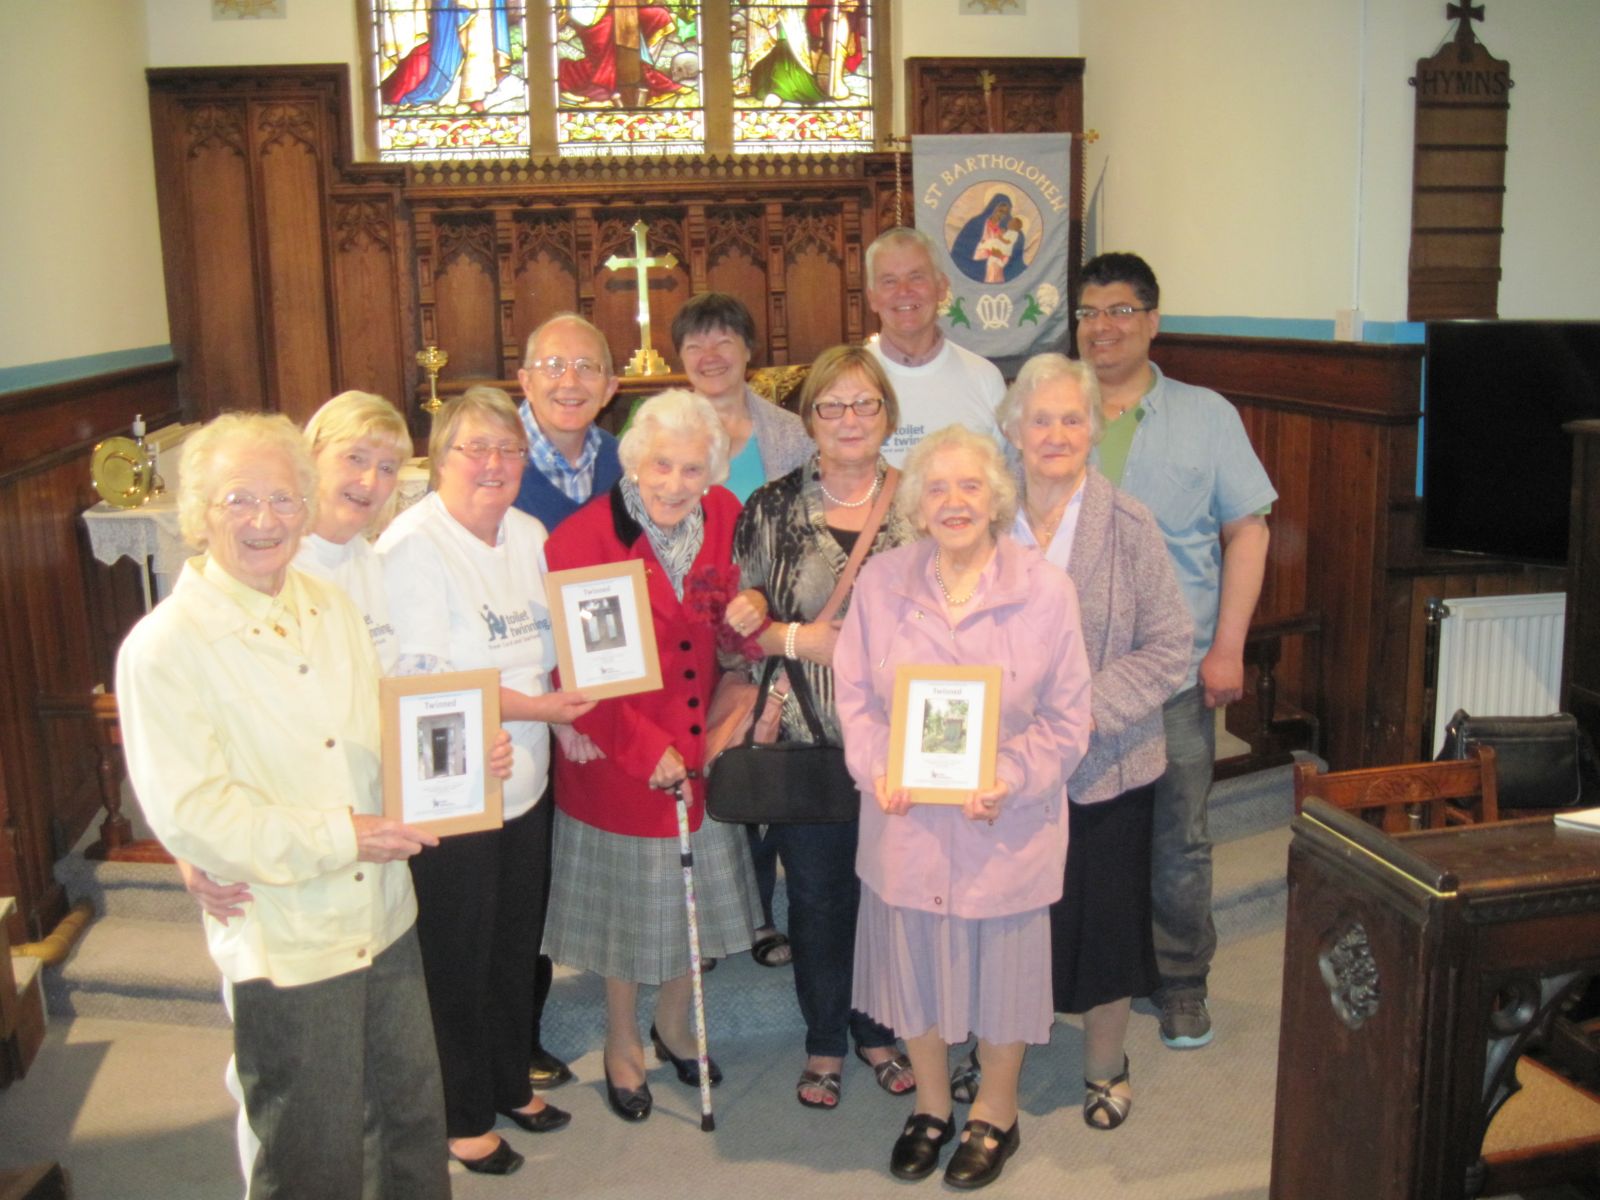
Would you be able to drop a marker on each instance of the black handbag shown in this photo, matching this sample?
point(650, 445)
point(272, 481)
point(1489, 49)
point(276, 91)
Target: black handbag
point(782, 783)
point(1541, 762)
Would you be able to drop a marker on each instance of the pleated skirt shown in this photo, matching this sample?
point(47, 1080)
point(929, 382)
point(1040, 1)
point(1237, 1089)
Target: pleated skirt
point(1101, 944)
point(617, 901)
point(916, 971)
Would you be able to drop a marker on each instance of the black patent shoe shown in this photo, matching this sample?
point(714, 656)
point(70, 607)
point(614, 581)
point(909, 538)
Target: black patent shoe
point(547, 1120)
point(688, 1069)
point(631, 1104)
point(502, 1160)
point(916, 1150)
point(546, 1071)
point(974, 1164)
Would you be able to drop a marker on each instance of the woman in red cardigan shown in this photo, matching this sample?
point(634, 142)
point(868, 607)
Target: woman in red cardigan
point(616, 905)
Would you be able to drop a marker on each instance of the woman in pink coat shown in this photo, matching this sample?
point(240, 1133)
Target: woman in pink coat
point(953, 936)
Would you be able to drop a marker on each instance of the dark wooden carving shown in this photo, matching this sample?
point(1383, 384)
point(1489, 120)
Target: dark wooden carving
point(1458, 176)
point(1580, 670)
point(64, 617)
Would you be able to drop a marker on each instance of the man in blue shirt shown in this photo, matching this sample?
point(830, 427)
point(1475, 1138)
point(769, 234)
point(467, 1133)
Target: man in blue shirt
point(1182, 450)
point(567, 378)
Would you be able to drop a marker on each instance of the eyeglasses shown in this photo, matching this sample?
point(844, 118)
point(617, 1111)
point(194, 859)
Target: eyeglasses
point(555, 367)
point(832, 410)
point(243, 506)
point(478, 451)
point(1117, 312)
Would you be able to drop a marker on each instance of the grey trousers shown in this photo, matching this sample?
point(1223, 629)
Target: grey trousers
point(312, 1059)
point(1180, 847)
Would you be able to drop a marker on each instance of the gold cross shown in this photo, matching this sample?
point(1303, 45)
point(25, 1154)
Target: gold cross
point(645, 360)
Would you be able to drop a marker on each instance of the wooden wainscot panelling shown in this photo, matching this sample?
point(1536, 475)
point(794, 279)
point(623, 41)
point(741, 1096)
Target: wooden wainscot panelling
point(60, 632)
point(1335, 425)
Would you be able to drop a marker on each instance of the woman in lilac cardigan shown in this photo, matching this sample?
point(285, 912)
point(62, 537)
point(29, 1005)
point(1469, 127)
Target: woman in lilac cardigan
point(953, 934)
point(1137, 631)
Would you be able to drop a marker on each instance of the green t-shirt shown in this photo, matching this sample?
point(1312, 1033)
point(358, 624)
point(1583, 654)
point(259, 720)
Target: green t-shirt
point(1116, 440)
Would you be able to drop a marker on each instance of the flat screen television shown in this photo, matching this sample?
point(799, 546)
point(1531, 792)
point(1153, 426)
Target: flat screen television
point(1496, 465)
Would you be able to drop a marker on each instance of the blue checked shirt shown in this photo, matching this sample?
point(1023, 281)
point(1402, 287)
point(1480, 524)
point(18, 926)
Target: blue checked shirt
point(577, 482)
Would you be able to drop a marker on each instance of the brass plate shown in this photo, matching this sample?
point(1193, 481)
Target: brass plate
point(120, 472)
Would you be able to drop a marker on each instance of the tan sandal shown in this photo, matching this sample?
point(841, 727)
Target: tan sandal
point(826, 1082)
point(1098, 1099)
point(891, 1071)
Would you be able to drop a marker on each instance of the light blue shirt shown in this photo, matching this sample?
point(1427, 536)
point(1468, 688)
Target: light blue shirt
point(1194, 468)
point(745, 471)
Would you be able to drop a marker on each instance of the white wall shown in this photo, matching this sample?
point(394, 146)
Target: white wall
point(1259, 153)
point(81, 257)
point(182, 33)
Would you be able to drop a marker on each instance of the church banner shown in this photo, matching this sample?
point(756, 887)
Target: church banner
point(999, 208)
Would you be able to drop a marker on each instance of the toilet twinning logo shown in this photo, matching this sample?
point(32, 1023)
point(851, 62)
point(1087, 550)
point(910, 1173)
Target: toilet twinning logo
point(998, 207)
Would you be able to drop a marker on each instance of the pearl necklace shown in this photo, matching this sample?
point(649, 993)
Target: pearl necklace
point(938, 574)
point(872, 491)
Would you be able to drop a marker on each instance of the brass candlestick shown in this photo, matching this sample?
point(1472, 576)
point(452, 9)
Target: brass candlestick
point(432, 360)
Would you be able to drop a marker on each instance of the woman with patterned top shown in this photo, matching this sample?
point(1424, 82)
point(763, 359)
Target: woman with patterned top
point(793, 542)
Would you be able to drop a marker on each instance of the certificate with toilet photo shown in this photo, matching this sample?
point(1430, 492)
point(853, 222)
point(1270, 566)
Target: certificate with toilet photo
point(438, 731)
point(605, 640)
point(944, 731)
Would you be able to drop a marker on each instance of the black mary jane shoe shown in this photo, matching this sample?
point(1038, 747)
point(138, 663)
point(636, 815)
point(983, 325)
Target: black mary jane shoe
point(688, 1069)
point(502, 1160)
point(916, 1150)
point(631, 1104)
point(547, 1120)
point(974, 1165)
point(546, 1071)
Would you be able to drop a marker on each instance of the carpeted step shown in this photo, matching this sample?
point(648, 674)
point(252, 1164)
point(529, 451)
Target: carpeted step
point(137, 891)
point(139, 970)
point(1250, 804)
point(1250, 883)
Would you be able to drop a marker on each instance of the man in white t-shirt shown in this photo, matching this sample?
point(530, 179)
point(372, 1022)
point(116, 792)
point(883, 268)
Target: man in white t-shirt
point(937, 382)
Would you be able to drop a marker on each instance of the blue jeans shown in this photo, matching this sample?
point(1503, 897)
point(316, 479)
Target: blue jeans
point(1180, 847)
point(819, 865)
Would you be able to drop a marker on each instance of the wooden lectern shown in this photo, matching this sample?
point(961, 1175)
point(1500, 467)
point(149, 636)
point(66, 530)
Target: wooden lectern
point(1416, 970)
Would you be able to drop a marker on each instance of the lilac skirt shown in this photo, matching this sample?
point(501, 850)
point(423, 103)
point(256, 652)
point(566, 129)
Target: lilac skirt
point(917, 971)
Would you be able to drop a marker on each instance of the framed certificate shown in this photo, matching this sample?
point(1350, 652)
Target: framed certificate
point(944, 732)
point(605, 640)
point(437, 734)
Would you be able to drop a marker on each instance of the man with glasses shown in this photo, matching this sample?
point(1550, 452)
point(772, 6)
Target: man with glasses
point(937, 382)
point(566, 379)
point(1182, 450)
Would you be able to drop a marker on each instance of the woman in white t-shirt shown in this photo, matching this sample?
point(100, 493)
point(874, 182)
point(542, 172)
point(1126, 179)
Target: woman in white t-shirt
point(464, 575)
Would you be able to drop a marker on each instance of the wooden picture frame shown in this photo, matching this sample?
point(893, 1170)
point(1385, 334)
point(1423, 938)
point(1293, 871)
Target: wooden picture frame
point(940, 750)
point(438, 731)
point(605, 638)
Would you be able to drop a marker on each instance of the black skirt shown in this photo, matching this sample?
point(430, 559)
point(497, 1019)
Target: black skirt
point(1101, 944)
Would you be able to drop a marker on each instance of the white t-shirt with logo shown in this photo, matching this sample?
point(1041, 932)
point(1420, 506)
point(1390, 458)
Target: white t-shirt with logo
point(470, 605)
point(354, 567)
point(957, 387)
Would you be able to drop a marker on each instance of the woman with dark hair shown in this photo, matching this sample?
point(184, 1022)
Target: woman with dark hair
point(795, 542)
point(714, 335)
point(988, 238)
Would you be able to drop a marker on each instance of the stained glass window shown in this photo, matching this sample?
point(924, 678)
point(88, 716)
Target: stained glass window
point(452, 79)
point(456, 79)
point(802, 76)
point(628, 78)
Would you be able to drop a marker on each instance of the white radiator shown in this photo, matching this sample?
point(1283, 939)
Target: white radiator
point(1500, 656)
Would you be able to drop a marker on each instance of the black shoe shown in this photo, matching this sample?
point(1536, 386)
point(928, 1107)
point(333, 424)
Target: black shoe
point(916, 1150)
point(688, 1068)
point(631, 1104)
point(974, 1165)
point(502, 1160)
point(547, 1120)
point(546, 1071)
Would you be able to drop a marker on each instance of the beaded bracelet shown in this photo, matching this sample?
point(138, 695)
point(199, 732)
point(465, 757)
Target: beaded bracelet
point(788, 639)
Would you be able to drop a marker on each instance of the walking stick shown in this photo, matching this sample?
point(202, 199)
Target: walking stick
point(686, 853)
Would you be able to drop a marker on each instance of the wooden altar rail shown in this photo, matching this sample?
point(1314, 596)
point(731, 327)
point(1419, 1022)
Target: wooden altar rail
point(64, 617)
